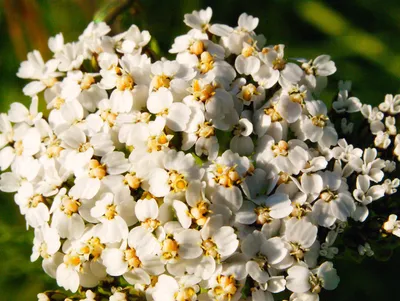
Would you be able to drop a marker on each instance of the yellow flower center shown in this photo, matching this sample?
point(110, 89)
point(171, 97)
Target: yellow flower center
point(84, 147)
point(151, 224)
point(93, 248)
point(69, 205)
point(73, 260)
point(111, 212)
point(49, 82)
point(186, 295)
point(297, 251)
point(132, 259)
point(97, 170)
point(248, 91)
point(132, 181)
point(197, 48)
point(227, 176)
point(327, 196)
point(202, 93)
point(177, 181)
point(161, 81)
point(281, 148)
point(319, 120)
point(43, 250)
point(109, 117)
point(275, 116)
point(18, 147)
point(199, 212)
point(170, 249)
point(124, 82)
point(35, 201)
point(205, 130)
point(58, 102)
point(54, 149)
point(248, 51)
point(278, 64)
point(316, 284)
point(227, 287)
point(87, 81)
point(206, 62)
point(263, 216)
point(157, 143)
point(210, 249)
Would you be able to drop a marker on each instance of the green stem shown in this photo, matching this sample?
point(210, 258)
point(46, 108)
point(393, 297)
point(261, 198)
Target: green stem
point(111, 9)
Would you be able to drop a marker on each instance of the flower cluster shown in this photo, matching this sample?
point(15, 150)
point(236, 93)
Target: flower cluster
point(218, 175)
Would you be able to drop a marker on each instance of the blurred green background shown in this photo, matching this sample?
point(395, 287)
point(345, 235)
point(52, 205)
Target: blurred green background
point(360, 35)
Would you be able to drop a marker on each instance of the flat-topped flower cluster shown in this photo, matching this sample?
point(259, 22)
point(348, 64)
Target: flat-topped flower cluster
point(218, 175)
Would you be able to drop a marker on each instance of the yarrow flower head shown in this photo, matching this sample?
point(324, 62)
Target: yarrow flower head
point(217, 175)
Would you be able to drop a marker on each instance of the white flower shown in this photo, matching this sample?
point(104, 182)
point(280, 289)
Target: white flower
point(370, 165)
point(19, 113)
point(344, 103)
point(247, 62)
point(334, 201)
point(216, 103)
point(317, 70)
point(327, 248)
point(91, 36)
point(32, 205)
point(391, 185)
point(200, 134)
point(264, 254)
point(176, 113)
point(265, 209)
point(365, 195)
point(46, 242)
point(289, 157)
point(392, 225)
point(70, 57)
point(199, 19)
point(65, 209)
point(173, 76)
point(118, 296)
point(347, 127)
point(115, 214)
point(300, 279)
point(44, 74)
point(227, 282)
point(241, 142)
point(308, 296)
point(250, 94)
point(169, 289)
point(317, 127)
point(382, 140)
point(219, 241)
point(132, 40)
point(173, 177)
point(27, 144)
point(391, 104)
point(135, 267)
point(224, 179)
point(276, 68)
point(42, 297)
point(372, 114)
point(365, 250)
point(267, 121)
point(345, 152)
point(301, 235)
point(290, 104)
